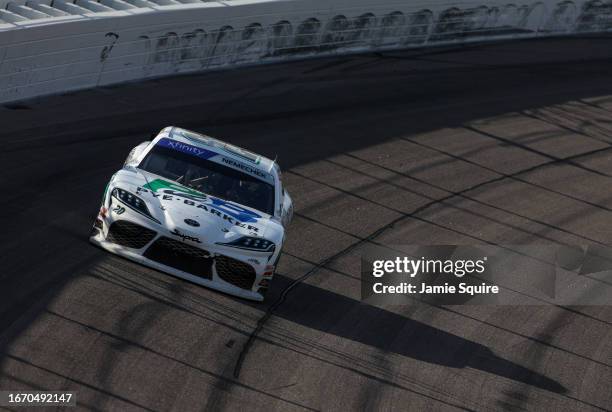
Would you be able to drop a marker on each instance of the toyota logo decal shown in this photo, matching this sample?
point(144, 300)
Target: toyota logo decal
point(192, 222)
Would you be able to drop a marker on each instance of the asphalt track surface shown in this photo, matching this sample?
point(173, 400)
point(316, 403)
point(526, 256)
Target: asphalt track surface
point(507, 143)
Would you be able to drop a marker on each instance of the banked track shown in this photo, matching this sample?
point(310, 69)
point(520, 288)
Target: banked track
point(507, 143)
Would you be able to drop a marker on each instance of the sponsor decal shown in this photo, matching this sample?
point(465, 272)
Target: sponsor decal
point(211, 155)
point(230, 212)
point(247, 169)
point(185, 237)
point(159, 185)
point(187, 148)
point(191, 222)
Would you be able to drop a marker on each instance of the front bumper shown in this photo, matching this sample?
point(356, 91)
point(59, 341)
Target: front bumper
point(183, 260)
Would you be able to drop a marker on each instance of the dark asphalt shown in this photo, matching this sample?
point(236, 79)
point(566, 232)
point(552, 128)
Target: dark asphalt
point(508, 143)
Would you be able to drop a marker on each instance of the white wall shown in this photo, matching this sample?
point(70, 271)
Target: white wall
point(44, 56)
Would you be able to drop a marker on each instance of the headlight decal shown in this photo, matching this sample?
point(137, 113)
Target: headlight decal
point(252, 243)
point(133, 202)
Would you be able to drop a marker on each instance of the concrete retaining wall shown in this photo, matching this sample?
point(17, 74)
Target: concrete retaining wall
point(73, 51)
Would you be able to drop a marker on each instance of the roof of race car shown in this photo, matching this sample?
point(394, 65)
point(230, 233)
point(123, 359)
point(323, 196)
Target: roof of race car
point(187, 136)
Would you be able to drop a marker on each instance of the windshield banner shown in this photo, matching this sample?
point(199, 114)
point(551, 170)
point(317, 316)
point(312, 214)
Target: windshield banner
point(217, 158)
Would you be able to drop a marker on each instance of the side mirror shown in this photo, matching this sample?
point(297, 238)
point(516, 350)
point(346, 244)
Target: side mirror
point(287, 212)
point(134, 155)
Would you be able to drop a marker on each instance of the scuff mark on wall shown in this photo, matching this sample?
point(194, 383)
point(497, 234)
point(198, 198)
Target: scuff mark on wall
point(108, 48)
point(596, 16)
point(199, 49)
point(168, 46)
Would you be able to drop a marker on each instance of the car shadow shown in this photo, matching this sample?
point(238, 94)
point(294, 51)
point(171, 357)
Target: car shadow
point(333, 313)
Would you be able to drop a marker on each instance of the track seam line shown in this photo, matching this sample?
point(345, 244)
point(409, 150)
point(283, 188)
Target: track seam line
point(568, 160)
point(261, 323)
point(413, 215)
point(512, 176)
point(469, 198)
point(484, 322)
point(263, 320)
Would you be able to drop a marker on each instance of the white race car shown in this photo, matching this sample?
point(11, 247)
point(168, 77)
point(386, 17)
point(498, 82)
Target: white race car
point(199, 209)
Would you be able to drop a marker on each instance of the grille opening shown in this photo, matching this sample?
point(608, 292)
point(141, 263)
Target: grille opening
point(129, 234)
point(181, 256)
point(235, 272)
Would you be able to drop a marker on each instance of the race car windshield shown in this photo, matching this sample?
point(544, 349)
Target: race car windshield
point(210, 178)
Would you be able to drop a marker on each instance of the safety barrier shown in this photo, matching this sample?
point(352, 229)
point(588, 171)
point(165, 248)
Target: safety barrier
point(92, 43)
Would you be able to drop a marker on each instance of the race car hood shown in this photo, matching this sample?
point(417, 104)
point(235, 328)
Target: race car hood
point(192, 215)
